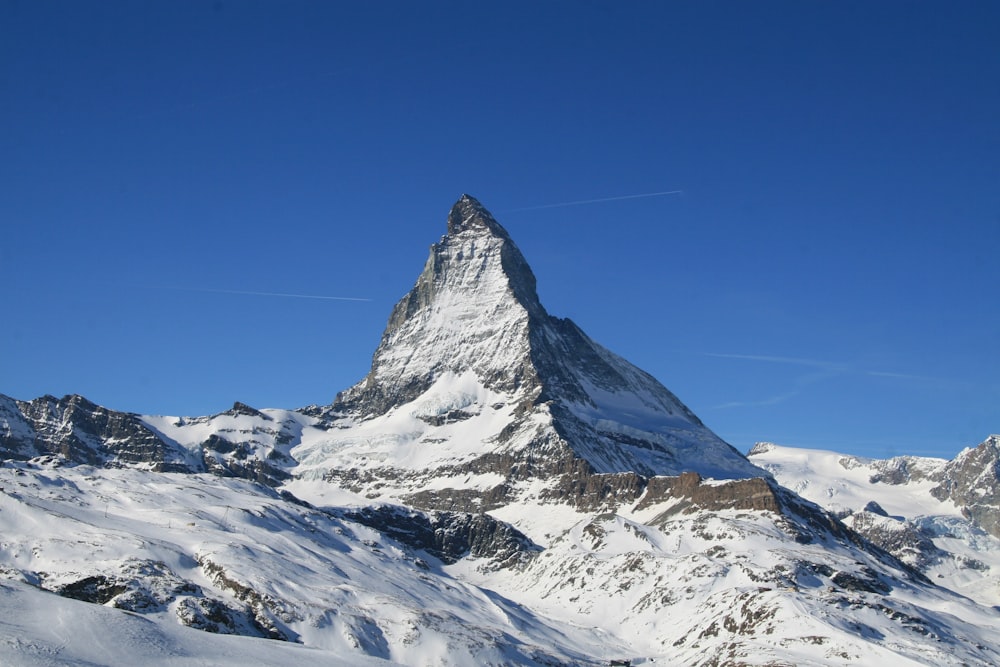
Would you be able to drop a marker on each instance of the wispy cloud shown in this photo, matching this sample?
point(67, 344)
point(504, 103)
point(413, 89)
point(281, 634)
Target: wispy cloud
point(277, 294)
point(773, 400)
point(824, 370)
point(582, 202)
point(797, 361)
point(901, 376)
point(819, 363)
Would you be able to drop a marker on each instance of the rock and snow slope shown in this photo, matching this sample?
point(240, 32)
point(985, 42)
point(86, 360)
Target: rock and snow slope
point(931, 513)
point(499, 490)
point(231, 557)
point(472, 343)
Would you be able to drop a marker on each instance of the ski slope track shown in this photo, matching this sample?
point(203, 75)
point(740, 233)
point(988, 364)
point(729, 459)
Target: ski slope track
point(498, 490)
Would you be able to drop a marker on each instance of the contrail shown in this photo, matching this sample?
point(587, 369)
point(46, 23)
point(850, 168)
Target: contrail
point(597, 201)
point(291, 296)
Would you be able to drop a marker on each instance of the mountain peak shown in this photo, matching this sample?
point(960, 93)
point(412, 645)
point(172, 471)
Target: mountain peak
point(469, 309)
point(472, 335)
point(468, 214)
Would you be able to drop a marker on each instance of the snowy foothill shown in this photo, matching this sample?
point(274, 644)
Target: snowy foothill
point(228, 556)
point(42, 629)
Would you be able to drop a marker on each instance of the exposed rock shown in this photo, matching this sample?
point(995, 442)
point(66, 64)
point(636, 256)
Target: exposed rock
point(449, 536)
point(211, 615)
point(82, 432)
point(897, 470)
point(902, 539)
point(244, 409)
point(747, 494)
point(263, 612)
point(875, 508)
point(78, 431)
point(97, 589)
point(972, 481)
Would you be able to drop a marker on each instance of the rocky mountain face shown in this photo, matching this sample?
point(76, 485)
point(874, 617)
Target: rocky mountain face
point(79, 431)
point(474, 309)
point(972, 481)
point(75, 430)
point(499, 490)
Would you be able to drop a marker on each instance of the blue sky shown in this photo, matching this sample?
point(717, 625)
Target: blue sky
point(827, 277)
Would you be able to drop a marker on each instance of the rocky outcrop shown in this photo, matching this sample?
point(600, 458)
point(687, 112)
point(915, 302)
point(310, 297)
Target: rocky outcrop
point(746, 494)
point(972, 481)
point(80, 431)
point(449, 536)
point(903, 539)
point(902, 470)
point(152, 587)
point(266, 616)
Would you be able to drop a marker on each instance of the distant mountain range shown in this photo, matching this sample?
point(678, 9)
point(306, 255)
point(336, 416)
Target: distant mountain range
point(498, 490)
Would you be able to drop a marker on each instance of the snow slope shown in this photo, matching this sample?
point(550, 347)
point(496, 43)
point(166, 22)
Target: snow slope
point(733, 587)
point(658, 581)
point(41, 629)
point(844, 483)
point(230, 556)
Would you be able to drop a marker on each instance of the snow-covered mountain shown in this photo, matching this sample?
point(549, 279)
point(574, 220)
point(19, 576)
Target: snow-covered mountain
point(936, 515)
point(470, 357)
point(498, 490)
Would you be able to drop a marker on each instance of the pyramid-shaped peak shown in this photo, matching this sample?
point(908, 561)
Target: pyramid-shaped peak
point(472, 344)
point(472, 309)
point(469, 215)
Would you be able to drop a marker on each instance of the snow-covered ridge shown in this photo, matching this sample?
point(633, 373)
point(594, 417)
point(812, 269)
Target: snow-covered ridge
point(899, 504)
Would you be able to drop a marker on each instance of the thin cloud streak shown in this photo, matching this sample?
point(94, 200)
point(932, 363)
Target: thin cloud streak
point(825, 370)
point(278, 294)
point(773, 400)
point(901, 376)
point(815, 363)
point(582, 202)
point(818, 363)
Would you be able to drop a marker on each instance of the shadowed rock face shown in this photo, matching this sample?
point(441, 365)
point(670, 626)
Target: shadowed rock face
point(449, 536)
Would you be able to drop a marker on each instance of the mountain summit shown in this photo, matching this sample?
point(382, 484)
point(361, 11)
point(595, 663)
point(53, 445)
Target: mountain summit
point(472, 343)
point(472, 308)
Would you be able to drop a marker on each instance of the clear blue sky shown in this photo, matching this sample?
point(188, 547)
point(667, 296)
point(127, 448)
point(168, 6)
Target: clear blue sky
point(828, 278)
